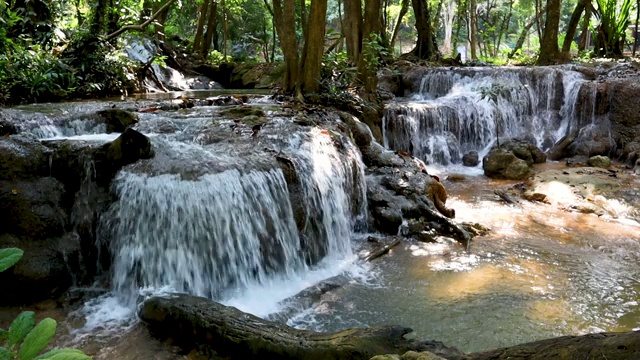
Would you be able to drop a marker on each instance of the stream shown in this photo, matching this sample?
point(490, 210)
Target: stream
point(214, 214)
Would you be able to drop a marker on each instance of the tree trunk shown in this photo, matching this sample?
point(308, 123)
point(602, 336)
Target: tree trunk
point(448, 16)
point(572, 27)
point(396, 29)
point(473, 28)
point(202, 17)
point(211, 27)
point(425, 45)
point(313, 48)
point(503, 29)
point(523, 36)
point(194, 321)
point(98, 18)
point(584, 36)
point(353, 29)
point(285, 22)
point(367, 67)
point(549, 51)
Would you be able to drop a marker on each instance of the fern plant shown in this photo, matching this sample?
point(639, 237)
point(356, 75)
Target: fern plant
point(25, 340)
point(612, 24)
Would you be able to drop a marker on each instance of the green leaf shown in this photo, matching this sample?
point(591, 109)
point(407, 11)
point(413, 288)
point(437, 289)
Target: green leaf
point(5, 354)
point(63, 354)
point(20, 327)
point(8, 257)
point(37, 339)
point(4, 334)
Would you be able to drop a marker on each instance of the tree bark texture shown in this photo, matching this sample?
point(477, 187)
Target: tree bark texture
point(353, 29)
point(313, 48)
point(425, 45)
point(284, 15)
point(194, 321)
point(573, 26)
point(473, 28)
point(202, 17)
point(396, 29)
point(549, 51)
point(212, 23)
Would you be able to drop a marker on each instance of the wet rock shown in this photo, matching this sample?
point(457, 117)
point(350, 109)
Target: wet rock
point(624, 113)
point(534, 196)
point(387, 220)
point(636, 168)
point(32, 208)
point(360, 131)
point(503, 164)
point(471, 159)
point(7, 128)
point(376, 155)
point(560, 149)
point(224, 100)
point(525, 151)
point(128, 148)
point(599, 161)
point(593, 139)
point(22, 158)
point(118, 120)
point(41, 273)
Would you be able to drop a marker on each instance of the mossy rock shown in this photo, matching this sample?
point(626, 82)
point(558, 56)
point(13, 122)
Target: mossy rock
point(118, 120)
point(599, 161)
point(242, 111)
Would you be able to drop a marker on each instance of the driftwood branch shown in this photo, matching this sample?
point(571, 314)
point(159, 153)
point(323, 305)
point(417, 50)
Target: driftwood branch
point(506, 197)
point(383, 250)
point(140, 27)
point(198, 322)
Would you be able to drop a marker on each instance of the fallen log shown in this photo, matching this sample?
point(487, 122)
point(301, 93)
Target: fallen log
point(192, 322)
point(609, 346)
point(382, 251)
point(506, 197)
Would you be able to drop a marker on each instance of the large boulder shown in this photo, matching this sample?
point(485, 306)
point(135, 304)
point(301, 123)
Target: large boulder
point(128, 148)
point(22, 158)
point(525, 151)
point(503, 164)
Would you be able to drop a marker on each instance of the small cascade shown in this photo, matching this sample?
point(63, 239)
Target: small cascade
point(201, 237)
point(457, 111)
point(334, 193)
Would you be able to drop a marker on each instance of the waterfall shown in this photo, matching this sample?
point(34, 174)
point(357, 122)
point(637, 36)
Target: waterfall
point(462, 110)
point(224, 234)
point(201, 237)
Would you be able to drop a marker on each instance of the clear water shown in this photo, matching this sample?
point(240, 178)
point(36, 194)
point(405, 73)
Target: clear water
point(540, 273)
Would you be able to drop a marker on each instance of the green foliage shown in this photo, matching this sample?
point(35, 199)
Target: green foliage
point(216, 58)
point(24, 341)
point(37, 339)
point(337, 73)
point(609, 34)
point(8, 258)
point(373, 51)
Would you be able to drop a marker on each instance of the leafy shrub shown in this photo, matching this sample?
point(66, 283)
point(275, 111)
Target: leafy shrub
point(23, 340)
point(215, 57)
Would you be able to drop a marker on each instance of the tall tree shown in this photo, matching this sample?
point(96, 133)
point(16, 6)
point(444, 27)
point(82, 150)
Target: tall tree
point(573, 26)
point(353, 29)
point(425, 44)
point(284, 12)
point(473, 28)
point(549, 51)
point(202, 18)
point(313, 48)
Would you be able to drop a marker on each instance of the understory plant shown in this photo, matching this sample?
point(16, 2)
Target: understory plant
point(25, 339)
point(609, 34)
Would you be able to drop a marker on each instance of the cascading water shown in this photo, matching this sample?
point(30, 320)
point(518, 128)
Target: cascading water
point(199, 219)
point(457, 111)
